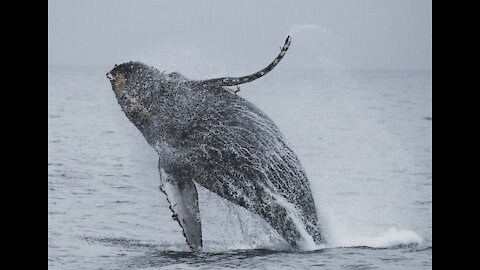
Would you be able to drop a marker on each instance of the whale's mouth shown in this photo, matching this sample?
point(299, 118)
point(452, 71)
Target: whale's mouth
point(118, 82)
point(110, 76)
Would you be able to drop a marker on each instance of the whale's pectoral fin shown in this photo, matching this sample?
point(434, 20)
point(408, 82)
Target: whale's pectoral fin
point(232, 81)
point(183, 198)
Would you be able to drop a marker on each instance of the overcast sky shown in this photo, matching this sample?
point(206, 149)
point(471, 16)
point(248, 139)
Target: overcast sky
point(366, 34)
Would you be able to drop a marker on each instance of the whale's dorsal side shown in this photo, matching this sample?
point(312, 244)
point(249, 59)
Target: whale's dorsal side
point(232, 81)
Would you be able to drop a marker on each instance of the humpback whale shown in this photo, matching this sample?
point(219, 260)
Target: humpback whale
point(205, 133)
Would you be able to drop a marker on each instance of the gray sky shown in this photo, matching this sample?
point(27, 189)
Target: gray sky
point(367, 34)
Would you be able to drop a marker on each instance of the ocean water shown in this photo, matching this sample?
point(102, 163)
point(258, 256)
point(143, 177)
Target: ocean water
point(364, 138)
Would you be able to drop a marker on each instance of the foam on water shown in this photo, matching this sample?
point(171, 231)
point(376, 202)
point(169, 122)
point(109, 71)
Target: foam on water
point(349, 235)
point(392, 237)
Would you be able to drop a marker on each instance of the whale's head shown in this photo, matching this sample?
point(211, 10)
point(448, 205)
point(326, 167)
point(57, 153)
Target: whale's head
point(135, 85)
point(136, 80)
point(141, 90)
point(128, 79)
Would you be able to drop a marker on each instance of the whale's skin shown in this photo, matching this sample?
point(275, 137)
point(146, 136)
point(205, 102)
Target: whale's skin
point(209, 135)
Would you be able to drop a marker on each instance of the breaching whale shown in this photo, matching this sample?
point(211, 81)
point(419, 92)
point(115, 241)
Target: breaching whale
point(207, 134)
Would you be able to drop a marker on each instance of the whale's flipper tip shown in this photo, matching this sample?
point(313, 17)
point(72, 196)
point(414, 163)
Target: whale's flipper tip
point(288, 40)
point(232, 81)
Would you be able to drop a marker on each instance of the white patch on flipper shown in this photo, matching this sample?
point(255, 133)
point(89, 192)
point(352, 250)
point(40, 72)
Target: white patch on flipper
point(183, 201)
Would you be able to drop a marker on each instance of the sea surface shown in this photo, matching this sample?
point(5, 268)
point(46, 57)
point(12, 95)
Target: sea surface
point(364, 138)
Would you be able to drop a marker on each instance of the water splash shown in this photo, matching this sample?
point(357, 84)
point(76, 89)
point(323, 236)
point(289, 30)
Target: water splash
point(314, 47)
point(361, 155)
